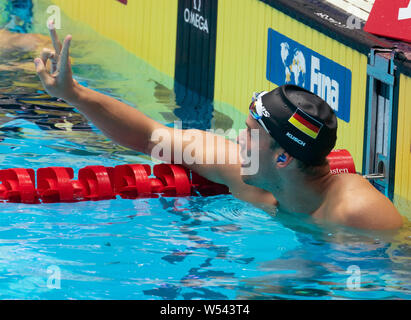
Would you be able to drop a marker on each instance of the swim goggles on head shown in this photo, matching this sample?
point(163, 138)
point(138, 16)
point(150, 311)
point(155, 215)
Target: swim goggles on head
point(256, 108)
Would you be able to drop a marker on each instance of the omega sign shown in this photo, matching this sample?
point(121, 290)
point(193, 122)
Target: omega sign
point(195, 18)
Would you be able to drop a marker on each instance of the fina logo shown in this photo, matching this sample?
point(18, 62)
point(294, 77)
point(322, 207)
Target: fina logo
point(294, 63)
point(323, 85)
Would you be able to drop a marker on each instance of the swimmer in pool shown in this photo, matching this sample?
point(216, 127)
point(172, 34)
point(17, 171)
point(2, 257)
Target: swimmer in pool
point(296, 129)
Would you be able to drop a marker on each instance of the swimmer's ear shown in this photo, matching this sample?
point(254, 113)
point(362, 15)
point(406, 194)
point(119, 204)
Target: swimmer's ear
point(283, 160)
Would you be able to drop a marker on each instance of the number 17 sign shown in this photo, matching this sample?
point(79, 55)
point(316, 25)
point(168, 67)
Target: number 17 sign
point(391, 19)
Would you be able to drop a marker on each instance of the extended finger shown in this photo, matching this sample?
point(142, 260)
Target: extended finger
point(54, 37)
point(49, 54)
point(65, 53)
point(42, 72)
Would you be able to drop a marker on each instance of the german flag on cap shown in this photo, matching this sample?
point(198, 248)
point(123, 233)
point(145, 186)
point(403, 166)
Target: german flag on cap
point(305, 123)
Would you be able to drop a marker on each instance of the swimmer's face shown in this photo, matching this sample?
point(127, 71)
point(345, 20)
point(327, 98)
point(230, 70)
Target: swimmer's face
point(250, 145)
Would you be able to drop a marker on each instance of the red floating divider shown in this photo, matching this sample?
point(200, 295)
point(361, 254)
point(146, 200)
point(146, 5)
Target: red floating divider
point(18, 185)
point(55, 184)
point(175, 179)
point(129, 181)
point(97, 182)
point(206, 187)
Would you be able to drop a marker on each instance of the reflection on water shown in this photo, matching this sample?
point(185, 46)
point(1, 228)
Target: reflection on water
point(21, 94)
point(189, 248)
point(16, 15)
point(22, 98)
point(46, 112)
point(320, 268)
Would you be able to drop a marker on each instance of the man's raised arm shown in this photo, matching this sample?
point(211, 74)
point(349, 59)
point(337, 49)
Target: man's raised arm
point(120, 122)
point(129, 127)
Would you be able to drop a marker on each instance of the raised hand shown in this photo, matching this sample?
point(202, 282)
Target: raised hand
point(59, 81)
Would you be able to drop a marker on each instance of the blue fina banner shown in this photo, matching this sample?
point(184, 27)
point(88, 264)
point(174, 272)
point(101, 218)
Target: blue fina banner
point(289, 62)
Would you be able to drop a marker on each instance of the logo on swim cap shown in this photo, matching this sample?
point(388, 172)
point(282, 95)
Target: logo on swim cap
point(306, 124)
point(300, 142)
point(261, 110)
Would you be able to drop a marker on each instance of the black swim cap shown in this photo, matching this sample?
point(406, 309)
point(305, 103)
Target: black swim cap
point(301, 122)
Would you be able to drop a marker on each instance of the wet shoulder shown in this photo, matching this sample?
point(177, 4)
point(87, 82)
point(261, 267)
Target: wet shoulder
point(353, 201)
point(351, 190)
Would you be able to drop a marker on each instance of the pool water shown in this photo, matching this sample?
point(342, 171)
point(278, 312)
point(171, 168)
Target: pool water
point(167, 248)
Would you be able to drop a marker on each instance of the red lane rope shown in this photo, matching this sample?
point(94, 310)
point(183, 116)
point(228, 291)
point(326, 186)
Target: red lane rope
point(129, 181)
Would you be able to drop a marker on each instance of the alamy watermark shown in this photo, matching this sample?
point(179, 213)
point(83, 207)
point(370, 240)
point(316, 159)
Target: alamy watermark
point(54, 280)
point(354, 280)
point(54, 20)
